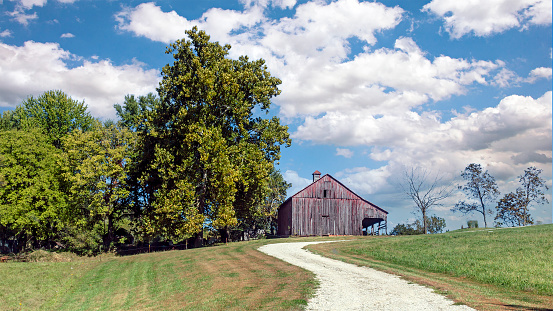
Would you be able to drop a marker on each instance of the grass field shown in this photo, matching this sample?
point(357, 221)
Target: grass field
point(487, 268)
point(226, 277)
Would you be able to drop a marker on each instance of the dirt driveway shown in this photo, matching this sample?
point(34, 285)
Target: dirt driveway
point(345, 286)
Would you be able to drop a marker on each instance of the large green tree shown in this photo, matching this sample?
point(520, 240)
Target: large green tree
point(54, 113)
point(134, 111)
point(31, 199)
point(95, 167)
point(208, 153)
point(481, 187)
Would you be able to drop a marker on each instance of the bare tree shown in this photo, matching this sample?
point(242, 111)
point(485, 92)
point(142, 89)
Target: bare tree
point(480, 186)
point(426, 191)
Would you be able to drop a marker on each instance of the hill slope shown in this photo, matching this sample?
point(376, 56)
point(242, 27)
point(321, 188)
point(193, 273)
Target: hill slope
point(485, 264)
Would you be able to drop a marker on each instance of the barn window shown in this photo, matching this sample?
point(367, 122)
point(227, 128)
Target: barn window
point(326, 194)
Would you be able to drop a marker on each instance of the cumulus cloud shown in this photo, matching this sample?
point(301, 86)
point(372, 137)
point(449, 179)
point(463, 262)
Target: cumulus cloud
point(513, 116)
point(380, 81)
point(21, 17)
point(344, 152)
point(5, 33)
point(310, 52)
point(298, 182)
point(505, 78)
point(539, 73)
point(36, 67)
point(67, 35)
point(148, 20)
point(484, 18)
point(506, 138)
point(29, 4)
point(283, 4)
point(365, 180)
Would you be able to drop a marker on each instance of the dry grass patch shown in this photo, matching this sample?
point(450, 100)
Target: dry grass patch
point(227, 277)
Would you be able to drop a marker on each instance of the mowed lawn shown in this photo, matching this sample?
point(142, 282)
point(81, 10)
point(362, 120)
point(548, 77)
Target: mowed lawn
point(226, 277)
point(489, 269)
point(509, 268)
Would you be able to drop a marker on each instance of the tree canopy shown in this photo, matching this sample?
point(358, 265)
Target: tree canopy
point(95, 166)
point(208, 153)
point(513, 208)
point(31, 198)
point(55, 113)
point(481, 187)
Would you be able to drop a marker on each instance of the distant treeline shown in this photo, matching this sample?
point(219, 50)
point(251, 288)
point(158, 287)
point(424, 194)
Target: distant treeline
point(195, 160)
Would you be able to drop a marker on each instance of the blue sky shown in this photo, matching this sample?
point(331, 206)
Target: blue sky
point(369, 88)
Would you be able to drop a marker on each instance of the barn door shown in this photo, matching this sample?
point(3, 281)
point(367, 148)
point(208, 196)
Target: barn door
point(326, 219)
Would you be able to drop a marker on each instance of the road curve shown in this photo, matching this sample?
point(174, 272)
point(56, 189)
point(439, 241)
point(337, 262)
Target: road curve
point(344, 286)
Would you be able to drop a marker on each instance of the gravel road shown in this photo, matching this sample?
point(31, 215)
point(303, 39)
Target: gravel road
point(345, 286)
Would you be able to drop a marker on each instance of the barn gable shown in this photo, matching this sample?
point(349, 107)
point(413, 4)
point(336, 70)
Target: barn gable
point(327, 207)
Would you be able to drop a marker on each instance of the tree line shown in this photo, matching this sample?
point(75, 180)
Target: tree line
point(196, 158)
point(481, 190)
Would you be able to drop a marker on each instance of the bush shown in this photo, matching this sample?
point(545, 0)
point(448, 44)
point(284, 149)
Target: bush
point(46, 256)
point(472, 224)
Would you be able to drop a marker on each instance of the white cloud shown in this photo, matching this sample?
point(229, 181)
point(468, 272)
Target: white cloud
point(20, 14)
point(283, 4)
point(344, 152)
point(485, 18)
point(67, 35)
point(35, 67)
point(29, 4)
point(507, 138)
point(539, 73)
point(21, 17)
point(148, 20)
point(298, 182)
point(366, 181)
point(386, 81)
point(5, 33)
point(506, 78)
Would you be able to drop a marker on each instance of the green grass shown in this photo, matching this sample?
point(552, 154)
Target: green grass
point(517, 258)
point(490, 269)
point(226, 277)
point(516, 262)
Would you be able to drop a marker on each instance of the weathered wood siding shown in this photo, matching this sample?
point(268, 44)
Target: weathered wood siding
point(326, 207)
point(285, 219)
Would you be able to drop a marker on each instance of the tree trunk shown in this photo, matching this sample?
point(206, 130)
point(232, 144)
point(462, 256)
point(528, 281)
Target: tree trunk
point(201, 193)
point(224, 235)
point(483, 209)
point(424, 223)
point(109, 237)
point(199, 239)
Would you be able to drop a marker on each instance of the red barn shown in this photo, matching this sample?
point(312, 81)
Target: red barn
point(327, 207)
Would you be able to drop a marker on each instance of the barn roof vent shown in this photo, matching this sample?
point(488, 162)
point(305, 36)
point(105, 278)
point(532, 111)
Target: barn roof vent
point(316, 176)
